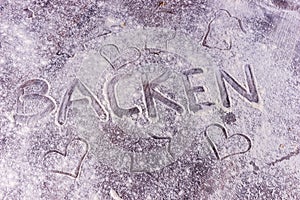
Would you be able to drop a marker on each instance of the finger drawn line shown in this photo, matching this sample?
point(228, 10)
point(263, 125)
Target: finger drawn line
point(224, 132)
point(205, 38)
point(40, 93)
point(105, 32)
point(168, 144)
point(92, 99)
point(168, 150)
point(65, 154)
point(119, 55)
point(131, 170)
point(287, 157)
point(167, 39)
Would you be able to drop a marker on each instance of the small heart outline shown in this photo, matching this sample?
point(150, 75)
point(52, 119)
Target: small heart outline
point(224, 132)
point(118, 52)
point(228, 42)
point(65, 153)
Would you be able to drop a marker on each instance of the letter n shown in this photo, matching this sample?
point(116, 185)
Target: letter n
point(250, 93)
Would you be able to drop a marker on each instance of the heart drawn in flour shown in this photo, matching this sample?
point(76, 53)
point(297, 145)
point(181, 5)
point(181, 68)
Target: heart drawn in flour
point(222, 30)
point(240, 142)
point(69, 161)
point(117, 59)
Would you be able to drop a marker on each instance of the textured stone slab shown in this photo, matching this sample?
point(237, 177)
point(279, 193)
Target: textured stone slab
point(149, 100)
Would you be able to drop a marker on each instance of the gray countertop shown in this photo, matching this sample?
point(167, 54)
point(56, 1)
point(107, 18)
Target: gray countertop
point(128, 99)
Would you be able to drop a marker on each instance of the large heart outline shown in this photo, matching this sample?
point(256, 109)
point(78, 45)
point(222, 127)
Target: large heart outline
point(65, 154)
point(119, 55)
point(224, 132)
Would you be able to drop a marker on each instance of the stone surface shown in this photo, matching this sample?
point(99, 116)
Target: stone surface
point(128, 99)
